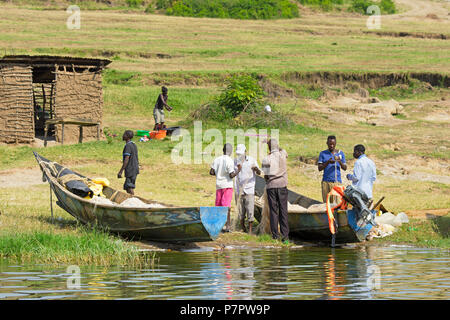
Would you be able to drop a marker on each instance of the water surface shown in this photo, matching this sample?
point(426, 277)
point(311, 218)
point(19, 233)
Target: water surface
point(308, 273)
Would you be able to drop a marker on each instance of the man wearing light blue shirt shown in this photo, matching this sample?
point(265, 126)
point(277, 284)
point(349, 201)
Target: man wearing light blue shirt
point(364, 172)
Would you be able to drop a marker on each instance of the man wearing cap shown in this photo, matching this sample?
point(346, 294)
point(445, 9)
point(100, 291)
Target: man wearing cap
point(247, 167)
point(275, 173)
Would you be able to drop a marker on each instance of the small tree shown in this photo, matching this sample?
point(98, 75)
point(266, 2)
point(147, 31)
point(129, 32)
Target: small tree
point(242, 92)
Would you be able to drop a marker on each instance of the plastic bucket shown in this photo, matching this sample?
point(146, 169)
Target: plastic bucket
point(158, 135)
point(142, 133)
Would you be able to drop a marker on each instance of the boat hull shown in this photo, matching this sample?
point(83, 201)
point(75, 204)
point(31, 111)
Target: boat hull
point(314, 226)
point(171, 224)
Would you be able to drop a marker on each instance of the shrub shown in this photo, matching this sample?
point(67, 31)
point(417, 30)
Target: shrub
point(386, 6)
point(134, 3)
point(326, 5)
point(242, 92)
point(361, 5)
point(163, 4)
point(240, 104)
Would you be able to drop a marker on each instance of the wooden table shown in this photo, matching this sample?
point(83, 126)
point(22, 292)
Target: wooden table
point(79, 122)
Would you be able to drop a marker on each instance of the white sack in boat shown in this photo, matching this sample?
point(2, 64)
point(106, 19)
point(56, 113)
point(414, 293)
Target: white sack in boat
point(296, 208)
point(137, 203)
point(101, 200)
point(317, 208)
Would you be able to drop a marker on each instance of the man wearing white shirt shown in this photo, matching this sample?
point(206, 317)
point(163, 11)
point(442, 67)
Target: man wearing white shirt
point(245, 185)
point(223, 169)
point(364, 172)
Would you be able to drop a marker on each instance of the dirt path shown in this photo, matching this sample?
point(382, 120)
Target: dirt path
point(19, 178)
point(427, 213)
point(422, 8)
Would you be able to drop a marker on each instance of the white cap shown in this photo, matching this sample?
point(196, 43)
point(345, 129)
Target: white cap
point(240, 149)
point(268, 108)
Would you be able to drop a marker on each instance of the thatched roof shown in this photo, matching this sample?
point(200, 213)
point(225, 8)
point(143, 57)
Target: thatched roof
point(52, 60)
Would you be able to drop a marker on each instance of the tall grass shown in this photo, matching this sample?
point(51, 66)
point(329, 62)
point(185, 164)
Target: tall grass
point(90, 246)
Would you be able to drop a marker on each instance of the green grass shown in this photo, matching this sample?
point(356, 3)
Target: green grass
point(426, 233)
point(86, 247)
point(194, 61)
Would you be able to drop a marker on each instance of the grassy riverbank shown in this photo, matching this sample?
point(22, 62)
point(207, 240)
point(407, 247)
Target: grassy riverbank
point(423, 233)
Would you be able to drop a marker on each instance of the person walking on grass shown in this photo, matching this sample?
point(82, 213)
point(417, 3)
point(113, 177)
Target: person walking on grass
point(275, 173)
point(248, 168)
point(223, 168)
point(158, 111)
point(364, 172)
point(330, 162)
point(130, 162)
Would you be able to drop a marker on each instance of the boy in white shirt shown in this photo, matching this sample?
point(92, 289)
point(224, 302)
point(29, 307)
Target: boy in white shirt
point(223, 169)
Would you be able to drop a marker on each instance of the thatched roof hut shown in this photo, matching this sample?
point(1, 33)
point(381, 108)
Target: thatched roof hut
point(34, 89)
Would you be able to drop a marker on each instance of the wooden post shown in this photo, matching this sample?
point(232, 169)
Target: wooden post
point(51, 201)
point(80, 138)
point(45, 134)
point(98, 131)
point(62, 134)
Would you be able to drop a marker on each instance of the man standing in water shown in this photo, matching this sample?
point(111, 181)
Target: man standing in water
point(158, 111)
point(364, 172)
point(130, 162)
point(275, 173)
point(223, 169)
point(331, 161)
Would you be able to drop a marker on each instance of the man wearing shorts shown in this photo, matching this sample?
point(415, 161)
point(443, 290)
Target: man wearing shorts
point(130, 162)
point(158, 111)
point(223, 169)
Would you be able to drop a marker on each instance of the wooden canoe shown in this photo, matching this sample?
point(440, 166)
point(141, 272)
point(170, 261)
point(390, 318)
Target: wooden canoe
point(168, 224)
point(314, 226)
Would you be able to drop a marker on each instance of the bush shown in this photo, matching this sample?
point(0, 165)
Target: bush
point(237, 9)
point(326, 5)
point(134, 3)
point(386, 6)
point(163, 4)
point(361, 5)
point(242, 92)
point(241, 104)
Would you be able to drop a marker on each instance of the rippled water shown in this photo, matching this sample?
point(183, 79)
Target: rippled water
point(307, 273)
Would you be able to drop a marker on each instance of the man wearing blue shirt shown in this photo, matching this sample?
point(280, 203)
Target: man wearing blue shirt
point(331, 161)
point(364, 172)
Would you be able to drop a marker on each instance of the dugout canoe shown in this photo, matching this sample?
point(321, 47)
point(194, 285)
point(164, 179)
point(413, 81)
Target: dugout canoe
point(314, 226)
point(168, 224)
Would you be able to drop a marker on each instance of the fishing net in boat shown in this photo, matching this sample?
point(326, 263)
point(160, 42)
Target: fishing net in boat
point(264, 225)
point(128, 203)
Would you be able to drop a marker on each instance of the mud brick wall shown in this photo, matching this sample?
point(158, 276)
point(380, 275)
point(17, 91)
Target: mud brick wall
point(16, 104)
point(78, 95)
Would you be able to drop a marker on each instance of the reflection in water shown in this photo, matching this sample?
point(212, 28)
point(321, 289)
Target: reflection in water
point(308, 273)
point(332, 289)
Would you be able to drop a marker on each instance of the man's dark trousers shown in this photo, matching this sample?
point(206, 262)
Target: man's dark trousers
point(278, 203)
